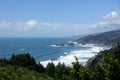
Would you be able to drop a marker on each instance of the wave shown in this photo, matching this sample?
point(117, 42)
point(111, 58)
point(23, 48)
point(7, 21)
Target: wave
point(69, 43)
point(54, 45)
point(82, 55)
point(72, 43)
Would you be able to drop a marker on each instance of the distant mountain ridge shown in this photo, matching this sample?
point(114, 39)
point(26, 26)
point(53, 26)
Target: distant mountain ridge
point(106, 38)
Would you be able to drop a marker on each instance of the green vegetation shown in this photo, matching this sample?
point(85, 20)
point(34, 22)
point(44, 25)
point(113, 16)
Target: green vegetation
point(19, 73)
point(21, 67)
point(24, 67)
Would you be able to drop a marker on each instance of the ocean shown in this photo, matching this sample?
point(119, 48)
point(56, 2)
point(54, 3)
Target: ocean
point(44, 50)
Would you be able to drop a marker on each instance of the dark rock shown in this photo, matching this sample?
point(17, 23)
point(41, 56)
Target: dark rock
point(60, 45)
point(96, 59)
point(72, 43)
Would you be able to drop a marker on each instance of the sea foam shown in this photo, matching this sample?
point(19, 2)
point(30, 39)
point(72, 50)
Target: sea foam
point(82, 55)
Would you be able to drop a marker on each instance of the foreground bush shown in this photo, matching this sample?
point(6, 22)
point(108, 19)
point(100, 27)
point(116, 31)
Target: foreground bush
point(9, 72)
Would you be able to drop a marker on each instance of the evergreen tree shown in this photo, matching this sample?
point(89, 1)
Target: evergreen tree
point(22, 60)
point(40, 68)
point(75, 69)
point(60, 71)
point(50, 69)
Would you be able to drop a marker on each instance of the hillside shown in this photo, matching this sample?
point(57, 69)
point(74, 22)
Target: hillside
point(98, 59)
point(106, 38)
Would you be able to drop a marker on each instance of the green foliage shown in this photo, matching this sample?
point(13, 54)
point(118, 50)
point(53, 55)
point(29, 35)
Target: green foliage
point(78, 72)
point(3, 61)
point(9, 72)
point(75, 70)
point(60, 71)
point(40, 68)
point(98, 73)
point(109, 68)
point(50, 69)
point(111, 65)
point(22, 60)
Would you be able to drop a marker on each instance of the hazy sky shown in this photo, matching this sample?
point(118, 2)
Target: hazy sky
point(57, 18)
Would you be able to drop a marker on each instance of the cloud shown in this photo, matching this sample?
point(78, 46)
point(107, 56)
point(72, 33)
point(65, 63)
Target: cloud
point(5, 24)
point(113, 15)
point(34, 25)
point(109, 22)
point(112, 19)
point(30, 25)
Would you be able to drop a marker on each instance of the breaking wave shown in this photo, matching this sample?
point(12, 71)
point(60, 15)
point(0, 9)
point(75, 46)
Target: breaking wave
point(82, 55)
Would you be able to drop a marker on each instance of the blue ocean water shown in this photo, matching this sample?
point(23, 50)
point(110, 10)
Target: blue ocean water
point(39, 48)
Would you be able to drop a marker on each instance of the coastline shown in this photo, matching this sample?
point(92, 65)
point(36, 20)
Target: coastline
point(82, 55)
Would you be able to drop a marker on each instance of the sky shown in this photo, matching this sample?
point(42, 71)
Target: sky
point(57, 18)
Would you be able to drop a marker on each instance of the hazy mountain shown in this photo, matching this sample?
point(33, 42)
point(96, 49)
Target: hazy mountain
point(106, 38)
